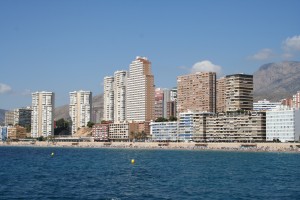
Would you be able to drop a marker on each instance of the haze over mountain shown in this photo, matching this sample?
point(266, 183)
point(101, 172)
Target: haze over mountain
point(275, 81)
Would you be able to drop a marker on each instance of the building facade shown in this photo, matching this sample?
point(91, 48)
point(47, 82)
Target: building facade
point(122, 131)
point(239, 92)
point(108, 98)
point(120, 82)
point(42, 114)
point(196, 92)
point(159, 103)
point(140, 91)
point(265, 105)
point(236, 127)
point(100, 132)
point(80, 109)
point(221, 95)
point(164, 131)
point(9, 118)
point(296, 100)
point(283, 124)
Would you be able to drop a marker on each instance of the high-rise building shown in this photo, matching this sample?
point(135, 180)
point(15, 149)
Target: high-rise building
point(9, 118)
point(169, 103)
point(42, 114)
point(221, 95)
point(239, 92)
point(19, 116)
point(158, 103)
point(120, 82)
point(108, 98)
point(140, 91)
point(80, 109)
point(196, 92)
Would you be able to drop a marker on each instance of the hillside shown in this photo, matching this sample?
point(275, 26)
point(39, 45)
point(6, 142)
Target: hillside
point(275, 81)
point(63, 111)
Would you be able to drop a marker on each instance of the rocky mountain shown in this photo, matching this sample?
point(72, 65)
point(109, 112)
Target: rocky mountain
point(275, 81)
point(63, 111)
point(2, 116)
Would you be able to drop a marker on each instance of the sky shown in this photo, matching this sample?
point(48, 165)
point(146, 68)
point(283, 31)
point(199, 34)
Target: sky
point(69, 45)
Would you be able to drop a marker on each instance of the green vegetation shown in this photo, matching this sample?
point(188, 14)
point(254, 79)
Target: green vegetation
point(62, 127)
point(90, 124)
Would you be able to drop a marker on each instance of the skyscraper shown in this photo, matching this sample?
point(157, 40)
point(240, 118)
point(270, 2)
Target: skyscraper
point(196, 92)
point(80, 109)
point(239, 92)
point(140, 91)
point(42, 114)
point(108, 98)
point(159, 103)
point(120, 82)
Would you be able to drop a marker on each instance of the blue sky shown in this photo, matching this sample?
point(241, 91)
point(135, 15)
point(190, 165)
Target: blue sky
point(67, 45)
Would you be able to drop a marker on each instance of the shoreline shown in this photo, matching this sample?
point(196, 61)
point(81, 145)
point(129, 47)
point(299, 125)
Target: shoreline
point(241, 147)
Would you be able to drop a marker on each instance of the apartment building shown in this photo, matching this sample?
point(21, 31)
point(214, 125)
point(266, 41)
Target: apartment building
point(159, 103)
point(239, 92)
point(122, 131)
point(164, 131)
point(196, 92)
point(80, 109)
point(221, 95)
point(100, 132)
point(108, 98)
point(283, 124)
point(120, 83)
point(140, 91)
point(236, 127)
point(265, 105)
point(42, 114)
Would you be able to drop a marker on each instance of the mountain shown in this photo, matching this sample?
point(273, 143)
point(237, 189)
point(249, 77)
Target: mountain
point(276, 81)
point(2, 116)
point(97, 101)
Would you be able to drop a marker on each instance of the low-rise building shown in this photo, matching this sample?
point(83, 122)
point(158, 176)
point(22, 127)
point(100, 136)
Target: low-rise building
point(265, 105)
point(16, 132)
point(164, 131)
point(122, 131)
point(100, 132)
point(236, 127)
point(283, 124)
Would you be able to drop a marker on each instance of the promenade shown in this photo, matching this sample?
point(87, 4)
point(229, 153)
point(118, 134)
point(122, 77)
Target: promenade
point(253, 147)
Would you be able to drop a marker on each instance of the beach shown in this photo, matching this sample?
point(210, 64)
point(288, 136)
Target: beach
point(253, 147)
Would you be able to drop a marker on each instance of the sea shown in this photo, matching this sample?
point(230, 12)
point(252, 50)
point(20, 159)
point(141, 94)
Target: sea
point(96, 173)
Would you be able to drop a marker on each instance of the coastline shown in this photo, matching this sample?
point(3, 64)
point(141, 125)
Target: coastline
point(247, 147)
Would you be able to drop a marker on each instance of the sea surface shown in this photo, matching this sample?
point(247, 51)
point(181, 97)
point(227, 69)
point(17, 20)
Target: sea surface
point(87, 173)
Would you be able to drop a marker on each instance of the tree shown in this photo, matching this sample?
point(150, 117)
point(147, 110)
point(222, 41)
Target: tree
point(90, 124)
point(161, 119)
point(61, 127)
point(172, 118)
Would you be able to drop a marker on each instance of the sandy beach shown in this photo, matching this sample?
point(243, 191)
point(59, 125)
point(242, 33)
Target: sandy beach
point(253, 147)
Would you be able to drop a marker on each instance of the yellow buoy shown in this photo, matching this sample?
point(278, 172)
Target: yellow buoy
point(132, 161)
point(52, 154)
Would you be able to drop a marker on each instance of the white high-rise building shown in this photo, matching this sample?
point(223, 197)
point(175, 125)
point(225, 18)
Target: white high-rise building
point(80, 109)
point(265, 105)
point(120, 82)
point(42, 114)
point(108, 98)
point(140, 91)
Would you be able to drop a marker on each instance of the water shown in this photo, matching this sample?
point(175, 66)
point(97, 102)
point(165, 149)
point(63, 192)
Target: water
point(77, 173)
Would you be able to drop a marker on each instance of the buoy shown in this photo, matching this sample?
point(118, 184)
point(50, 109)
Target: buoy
point(132, 161)
point(52, 154)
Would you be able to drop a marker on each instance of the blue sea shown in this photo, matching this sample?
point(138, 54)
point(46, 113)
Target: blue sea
point(86, 173)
